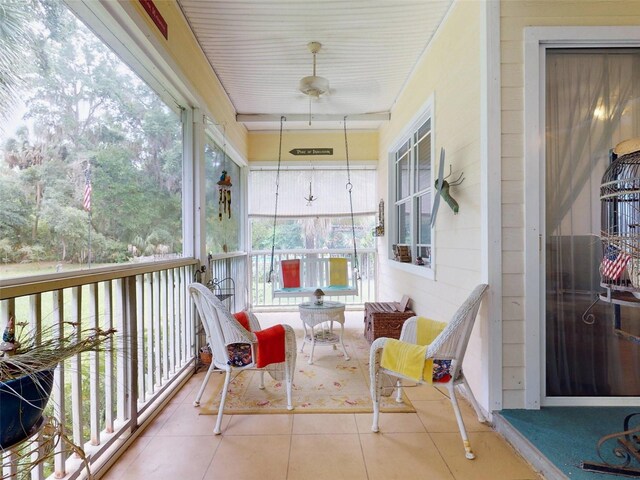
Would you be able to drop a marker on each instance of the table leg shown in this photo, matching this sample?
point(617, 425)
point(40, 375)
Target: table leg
point(346, 356)
point(313, 345)
point(304, 337)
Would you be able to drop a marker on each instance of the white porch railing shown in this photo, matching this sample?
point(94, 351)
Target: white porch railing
point(107, 395)
point(261, 296)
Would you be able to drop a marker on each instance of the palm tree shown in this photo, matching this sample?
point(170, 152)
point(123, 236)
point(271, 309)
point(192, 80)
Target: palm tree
point(15, 40)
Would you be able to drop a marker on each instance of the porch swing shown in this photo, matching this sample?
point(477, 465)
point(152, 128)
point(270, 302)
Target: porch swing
point(297, 277)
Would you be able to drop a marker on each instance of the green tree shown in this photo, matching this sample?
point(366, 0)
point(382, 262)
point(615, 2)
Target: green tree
point(15, 40)
point(81, 115)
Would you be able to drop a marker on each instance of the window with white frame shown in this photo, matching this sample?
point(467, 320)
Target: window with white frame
point(411, 193)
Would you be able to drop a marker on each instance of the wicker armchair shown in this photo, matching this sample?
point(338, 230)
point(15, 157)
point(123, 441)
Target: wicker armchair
point(222, 330)
point(449, 345)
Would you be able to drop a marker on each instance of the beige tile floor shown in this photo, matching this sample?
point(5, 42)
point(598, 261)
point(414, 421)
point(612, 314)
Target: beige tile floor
point(180, 444)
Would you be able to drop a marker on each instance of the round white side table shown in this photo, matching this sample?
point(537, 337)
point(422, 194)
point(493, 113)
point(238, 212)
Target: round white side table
point(323, 315)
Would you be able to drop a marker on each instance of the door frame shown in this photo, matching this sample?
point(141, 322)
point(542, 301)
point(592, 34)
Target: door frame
point(536, 41)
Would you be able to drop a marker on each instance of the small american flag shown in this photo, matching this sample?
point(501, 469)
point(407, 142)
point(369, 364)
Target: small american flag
point(614, 262)
point(86, 201)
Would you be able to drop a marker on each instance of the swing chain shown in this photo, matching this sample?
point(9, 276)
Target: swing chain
point(275, 214)
point(349, 186)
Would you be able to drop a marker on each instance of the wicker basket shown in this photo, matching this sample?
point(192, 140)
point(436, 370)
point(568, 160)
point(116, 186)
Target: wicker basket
point(383, 320)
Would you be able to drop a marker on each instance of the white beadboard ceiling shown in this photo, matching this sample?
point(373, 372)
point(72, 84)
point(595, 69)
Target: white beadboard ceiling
point(258, 49)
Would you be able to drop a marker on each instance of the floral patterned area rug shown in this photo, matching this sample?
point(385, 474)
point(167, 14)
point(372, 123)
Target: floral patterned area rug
point(331, 385)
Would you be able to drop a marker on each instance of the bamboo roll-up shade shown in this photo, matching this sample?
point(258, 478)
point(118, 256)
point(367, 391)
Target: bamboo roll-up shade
point(329, 186)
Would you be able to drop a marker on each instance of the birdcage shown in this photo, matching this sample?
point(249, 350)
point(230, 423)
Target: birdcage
point(620, 203)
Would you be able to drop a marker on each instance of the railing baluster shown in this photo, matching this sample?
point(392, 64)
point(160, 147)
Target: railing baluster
point(131, 360)
point(121, 352)
point(108, 358)
point(156, 329)
point(9, 465)
point(35, 317)
point(171, 320)
point(182, 344)
point(164, 321)
point(59, 406)
point(37, 473)
point(35, 327)
point(9, 457)
point(189, 345)
point(76, 369)
point(141, 378)
point(149, 333)
point(94, 368)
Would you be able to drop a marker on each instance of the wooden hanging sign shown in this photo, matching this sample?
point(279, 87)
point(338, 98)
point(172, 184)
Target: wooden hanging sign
point(311, 151)
point(156, 17)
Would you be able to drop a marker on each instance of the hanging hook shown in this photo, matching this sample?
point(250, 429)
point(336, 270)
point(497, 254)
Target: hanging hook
point(590, 318)
point(457, 181)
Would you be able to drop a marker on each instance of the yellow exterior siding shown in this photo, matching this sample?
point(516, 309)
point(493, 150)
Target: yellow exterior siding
point(449, 72)
point(515, 16)
point(263, 146)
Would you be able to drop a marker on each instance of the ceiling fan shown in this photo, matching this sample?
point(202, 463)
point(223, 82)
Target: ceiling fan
point(313, 85)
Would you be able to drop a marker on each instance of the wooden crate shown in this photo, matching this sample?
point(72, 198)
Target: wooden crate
point(383, 320)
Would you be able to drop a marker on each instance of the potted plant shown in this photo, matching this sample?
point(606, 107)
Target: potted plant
point(26, 374)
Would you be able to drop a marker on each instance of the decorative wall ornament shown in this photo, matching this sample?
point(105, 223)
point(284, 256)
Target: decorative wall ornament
point(379, 230)
point(224, 184)
point(442, 187)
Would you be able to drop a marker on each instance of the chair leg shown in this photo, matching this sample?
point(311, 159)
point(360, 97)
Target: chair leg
point(227, 378)
point(474, 402)
point(196, 402)
point(375, 427)
point(376, 388)
point(288, 382)
point(463, 432)
point(261, 386)
point(399, 391)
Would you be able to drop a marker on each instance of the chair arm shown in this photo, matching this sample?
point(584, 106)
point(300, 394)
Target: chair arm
point(376, 350)
point(375, 354)
point(290, 340)
point(277, 370)
point(254, 324)
point(409, 330)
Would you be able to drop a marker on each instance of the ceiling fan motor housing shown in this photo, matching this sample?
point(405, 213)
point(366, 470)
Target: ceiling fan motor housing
point(314, 86)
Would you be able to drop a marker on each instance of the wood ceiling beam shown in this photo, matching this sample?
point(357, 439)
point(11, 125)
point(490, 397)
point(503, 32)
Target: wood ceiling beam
point(302, 117)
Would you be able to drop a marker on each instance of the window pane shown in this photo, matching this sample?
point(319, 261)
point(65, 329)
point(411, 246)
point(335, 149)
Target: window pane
point(425, 254)
point(424, 219)
point(404, 223)
point(423, 163)
point(222, 206)
point(402, 177)
point(72, 126)
point(424, 129)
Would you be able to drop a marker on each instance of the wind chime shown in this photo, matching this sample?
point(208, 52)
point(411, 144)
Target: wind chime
point(224, 184)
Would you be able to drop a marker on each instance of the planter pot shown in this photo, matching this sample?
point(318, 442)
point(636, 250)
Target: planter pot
point(23, 401)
